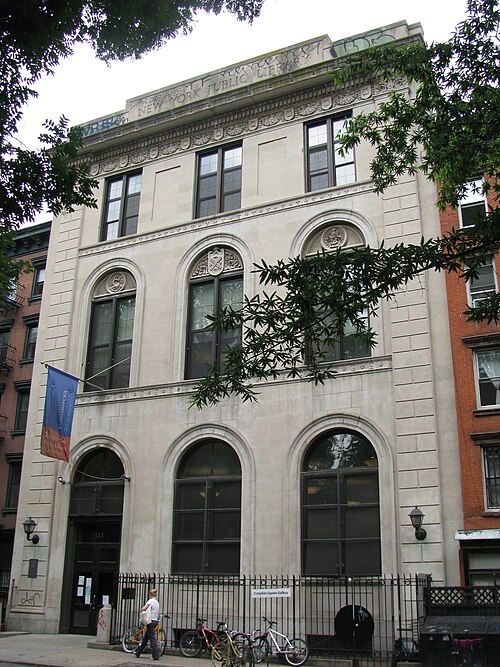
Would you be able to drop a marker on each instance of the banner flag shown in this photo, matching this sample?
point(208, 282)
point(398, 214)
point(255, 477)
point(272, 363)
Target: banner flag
point(58, 413)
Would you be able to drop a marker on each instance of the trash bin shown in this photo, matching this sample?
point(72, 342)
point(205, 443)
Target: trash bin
point(455, 641)
point(434, 645)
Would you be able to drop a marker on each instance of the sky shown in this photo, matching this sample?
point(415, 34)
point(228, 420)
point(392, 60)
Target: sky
point(83, 88)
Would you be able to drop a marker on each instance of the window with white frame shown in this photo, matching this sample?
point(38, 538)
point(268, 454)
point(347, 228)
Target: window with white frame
point(218, 186)
point(472, 205)
point(38, 278)
point(121, 206)
point(326, 165)
point(488, 376)
point(485, 283)
point(491, 466)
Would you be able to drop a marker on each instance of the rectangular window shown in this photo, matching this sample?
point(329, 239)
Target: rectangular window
point(110, 344)
point(472, 206)
point(218, 187)
point(341, 523)
point(485, 283)
point(38, 281)
point(326, 167)
point(121, 208)
point(30, 342)
point(491, 460)
point(488, 376)
point(207, 526)
point(14, 482)
point(23, 399)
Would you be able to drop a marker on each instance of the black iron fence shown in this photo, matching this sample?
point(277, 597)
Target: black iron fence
point(345, 617)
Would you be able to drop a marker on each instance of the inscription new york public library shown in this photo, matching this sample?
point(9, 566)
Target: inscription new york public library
point(198, 182)
point(235, 77)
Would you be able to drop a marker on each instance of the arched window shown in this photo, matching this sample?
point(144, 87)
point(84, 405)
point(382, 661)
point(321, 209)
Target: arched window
point(111, 330)
point(340, 506)
point(97, 487)
point(330, 238)
point(207, 510)
point(216, 282)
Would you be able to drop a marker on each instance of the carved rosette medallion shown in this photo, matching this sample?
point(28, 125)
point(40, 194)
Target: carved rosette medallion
point(333, 238)
point(115, 282)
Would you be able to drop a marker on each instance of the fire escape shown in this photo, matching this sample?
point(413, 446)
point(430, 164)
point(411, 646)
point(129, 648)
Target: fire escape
point(9, 305)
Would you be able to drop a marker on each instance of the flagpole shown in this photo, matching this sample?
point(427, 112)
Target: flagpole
point(91, 384)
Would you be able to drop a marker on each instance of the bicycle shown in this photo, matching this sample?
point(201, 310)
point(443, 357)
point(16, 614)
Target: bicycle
point(230, 652)
point(251, 642)
point(132, 639)
point(193, 642)
point(294, 651)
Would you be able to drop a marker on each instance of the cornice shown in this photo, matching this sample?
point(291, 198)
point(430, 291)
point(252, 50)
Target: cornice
point(186, 388)
point(228, 218)
point(230, 125)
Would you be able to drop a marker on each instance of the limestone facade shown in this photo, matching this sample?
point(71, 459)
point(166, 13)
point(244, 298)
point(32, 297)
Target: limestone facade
point(400, 398)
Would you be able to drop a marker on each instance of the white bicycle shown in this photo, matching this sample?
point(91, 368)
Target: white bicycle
point(272, 642)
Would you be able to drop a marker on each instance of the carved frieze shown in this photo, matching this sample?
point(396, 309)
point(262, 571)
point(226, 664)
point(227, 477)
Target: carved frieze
point(302, 105)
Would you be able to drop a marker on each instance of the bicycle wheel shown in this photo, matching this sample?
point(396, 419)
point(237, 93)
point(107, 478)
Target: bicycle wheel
point(219, 653)
point(243, 657)
point(297, 653)
point(161, 640)
point(261, 650)
point(131, 640)
point(190, 644)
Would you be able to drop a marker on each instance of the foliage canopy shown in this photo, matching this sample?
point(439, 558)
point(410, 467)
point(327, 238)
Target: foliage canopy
point(34, 36)
point(449, 130)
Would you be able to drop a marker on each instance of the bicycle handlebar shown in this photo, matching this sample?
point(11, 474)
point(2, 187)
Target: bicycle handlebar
point(271, 623)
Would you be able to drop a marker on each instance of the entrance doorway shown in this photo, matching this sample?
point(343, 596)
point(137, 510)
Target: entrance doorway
point(97, 557)
point(93, 543)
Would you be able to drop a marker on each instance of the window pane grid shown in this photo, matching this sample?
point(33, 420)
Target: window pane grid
point(340, 506)
point(325, 165)
point(219, 181)
point(110, 343)
point(207, 511)
point(206, 346)
point(122, 207)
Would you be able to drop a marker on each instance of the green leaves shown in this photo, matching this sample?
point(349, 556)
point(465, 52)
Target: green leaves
point(446, 125)
point(34, 36)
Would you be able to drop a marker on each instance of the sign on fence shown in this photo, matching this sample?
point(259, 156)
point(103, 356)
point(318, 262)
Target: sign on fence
point(271, 592)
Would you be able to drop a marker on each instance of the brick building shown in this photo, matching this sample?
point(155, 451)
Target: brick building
point(19, 315)
point(476, 365)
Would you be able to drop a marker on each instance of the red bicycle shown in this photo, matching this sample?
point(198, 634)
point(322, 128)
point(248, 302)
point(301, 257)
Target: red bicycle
point(193, 642)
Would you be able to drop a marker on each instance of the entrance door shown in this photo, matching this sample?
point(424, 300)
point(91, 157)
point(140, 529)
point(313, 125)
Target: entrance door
point(97, 554)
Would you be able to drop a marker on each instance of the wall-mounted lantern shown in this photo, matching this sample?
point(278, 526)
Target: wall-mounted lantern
point(417, 519)
point(29, 526)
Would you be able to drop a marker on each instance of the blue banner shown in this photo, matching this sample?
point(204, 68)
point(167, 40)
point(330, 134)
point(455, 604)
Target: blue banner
point(58, 414)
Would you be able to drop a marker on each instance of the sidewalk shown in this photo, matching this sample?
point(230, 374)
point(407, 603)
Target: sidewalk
point(17, 648)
